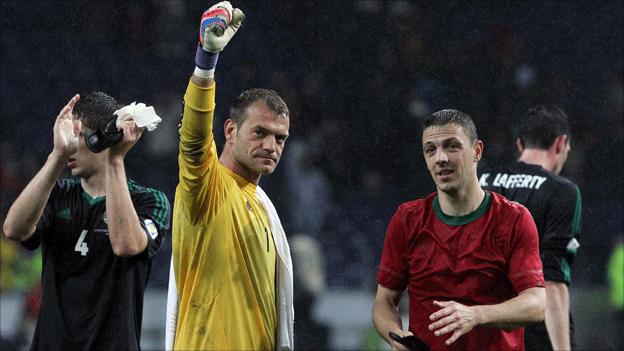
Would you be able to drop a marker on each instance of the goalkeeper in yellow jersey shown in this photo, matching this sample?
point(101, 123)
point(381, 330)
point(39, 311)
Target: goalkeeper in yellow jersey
point(231, 279)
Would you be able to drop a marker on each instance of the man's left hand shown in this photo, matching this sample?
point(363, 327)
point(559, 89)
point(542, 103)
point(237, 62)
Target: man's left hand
point(132, 134)
point(453, 317)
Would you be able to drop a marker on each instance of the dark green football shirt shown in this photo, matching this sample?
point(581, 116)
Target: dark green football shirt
point(555, 204)
point(92, 299)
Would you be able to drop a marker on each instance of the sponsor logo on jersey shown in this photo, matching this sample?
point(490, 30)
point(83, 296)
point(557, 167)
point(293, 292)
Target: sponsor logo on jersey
point(65, 214)
point(509, 181)
point(100, 230)
point(151, 228)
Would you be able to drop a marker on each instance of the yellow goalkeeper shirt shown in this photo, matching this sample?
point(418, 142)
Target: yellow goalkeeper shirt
point(223, 249)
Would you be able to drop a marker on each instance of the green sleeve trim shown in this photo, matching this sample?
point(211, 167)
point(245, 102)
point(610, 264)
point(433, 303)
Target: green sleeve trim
point(576, 221)
point(565, 269)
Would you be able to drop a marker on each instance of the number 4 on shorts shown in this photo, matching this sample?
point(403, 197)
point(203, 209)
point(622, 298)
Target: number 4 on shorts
point(81, 246)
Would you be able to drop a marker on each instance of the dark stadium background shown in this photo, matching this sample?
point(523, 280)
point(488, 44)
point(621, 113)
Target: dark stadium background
point(358, 77)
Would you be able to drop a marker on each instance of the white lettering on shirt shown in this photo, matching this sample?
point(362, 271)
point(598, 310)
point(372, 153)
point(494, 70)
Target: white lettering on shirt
point(510, 181)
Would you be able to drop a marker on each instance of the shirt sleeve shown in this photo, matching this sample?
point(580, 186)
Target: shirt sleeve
point(561, 231)
point(525, 265)
point(393, 268)
point(154, 213)
point(44, 224)
point(197, 158)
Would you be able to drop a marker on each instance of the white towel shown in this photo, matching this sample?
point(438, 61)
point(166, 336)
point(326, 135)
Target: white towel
point(285, 302)
point(143, 116)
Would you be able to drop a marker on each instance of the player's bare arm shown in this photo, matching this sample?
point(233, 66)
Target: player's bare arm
point(386, 315)
point(125, 232)
point(27, 209)
point(557, 315)
point(453, 317)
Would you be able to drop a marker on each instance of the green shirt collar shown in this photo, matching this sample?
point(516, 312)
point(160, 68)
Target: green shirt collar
point(92, 200)
point(465, 219)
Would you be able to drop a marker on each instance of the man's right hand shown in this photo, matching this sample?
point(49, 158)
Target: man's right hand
point(21, 220)
point(218, 25)
point(67, 130)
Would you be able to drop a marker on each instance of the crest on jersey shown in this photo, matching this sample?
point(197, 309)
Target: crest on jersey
point(65, 214)
point(105, 217)
point(248, 204)
point(151, 228)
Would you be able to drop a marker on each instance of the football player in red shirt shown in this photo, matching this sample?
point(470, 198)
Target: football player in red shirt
point(469, 258)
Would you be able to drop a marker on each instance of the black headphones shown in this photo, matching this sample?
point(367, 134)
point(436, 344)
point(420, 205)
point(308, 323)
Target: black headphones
point(105, 137)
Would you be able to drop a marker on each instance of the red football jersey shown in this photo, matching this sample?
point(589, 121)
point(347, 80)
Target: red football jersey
point(483, 258)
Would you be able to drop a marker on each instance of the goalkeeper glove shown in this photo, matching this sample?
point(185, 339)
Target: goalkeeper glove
point(218, 25)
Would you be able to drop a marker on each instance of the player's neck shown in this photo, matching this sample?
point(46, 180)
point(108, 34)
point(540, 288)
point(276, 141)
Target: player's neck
point(230, 163)
point(94, 185)
point(538, 157)
point(461, 202)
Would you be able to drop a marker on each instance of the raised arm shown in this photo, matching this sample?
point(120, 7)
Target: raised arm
point(21, 221)
point(198, 152)
point(124, 228)
point(218, 25)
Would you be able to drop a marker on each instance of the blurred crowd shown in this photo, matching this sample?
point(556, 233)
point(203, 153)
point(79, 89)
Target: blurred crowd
point(357, 76)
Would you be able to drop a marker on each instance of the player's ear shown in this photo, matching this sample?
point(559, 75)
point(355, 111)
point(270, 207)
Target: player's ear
point(561, 143)
point(520, 145)
point(229, 129)
point(478, 150)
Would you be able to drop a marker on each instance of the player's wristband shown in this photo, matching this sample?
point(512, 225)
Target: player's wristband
point(203, 73)
point(205, 60)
